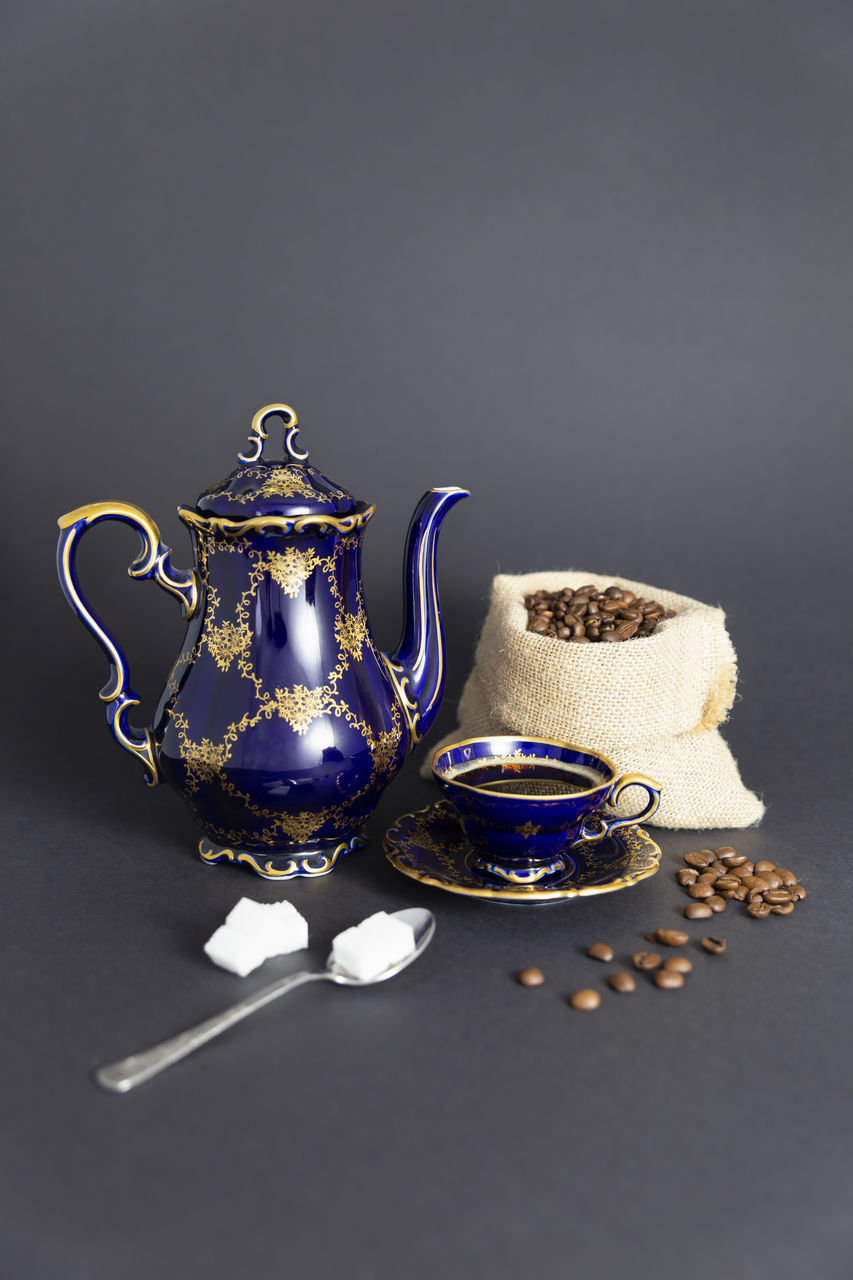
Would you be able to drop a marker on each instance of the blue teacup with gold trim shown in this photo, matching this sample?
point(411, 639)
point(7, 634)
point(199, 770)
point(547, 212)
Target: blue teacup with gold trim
point(525, 802)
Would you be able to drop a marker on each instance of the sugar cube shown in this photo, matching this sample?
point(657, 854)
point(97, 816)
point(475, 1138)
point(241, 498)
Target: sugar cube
point(236, 949)
point(367, 949)
point(278, 924)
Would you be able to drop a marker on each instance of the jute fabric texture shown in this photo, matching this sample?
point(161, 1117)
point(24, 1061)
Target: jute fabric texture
point(653, 706)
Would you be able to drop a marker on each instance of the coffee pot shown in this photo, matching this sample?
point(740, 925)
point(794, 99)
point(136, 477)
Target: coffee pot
point(281, 721)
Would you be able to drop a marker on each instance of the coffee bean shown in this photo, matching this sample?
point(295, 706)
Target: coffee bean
point(621, 615)
point(686, 876)
point(782, 908)
point(707, 877)
point(764, 866)
point(755, 895)
point(698, 860)
point(723, 849)
point(729, 895)
point(585, 999)
point(531, 977)
point(622, 982)
point(727, 882)
point(697, 911)
point(714, 946)
point(601, 951)
point(777, 896)
point(678, 963)
point(755, 882)
point(733, 859)
point(772, 880)
point(716, 903)
point(741, 893)
point(668, 979)
point(671, 937)
point(797, 892)
point(758, 909)
point(700, 890)
point(645, 959)
point(787, 877)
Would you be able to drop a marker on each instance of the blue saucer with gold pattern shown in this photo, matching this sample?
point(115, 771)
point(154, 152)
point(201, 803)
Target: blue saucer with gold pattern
point(431, 847)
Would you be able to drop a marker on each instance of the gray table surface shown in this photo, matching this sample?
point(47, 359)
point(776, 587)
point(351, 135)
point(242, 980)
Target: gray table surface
point(593, 262)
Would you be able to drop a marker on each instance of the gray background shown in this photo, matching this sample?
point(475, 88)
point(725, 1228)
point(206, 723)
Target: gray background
point(593, 262)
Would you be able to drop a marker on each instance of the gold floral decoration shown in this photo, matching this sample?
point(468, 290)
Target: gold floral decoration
point(299, 706)
point(227, 642)
point(291, 568)
point(351, 632)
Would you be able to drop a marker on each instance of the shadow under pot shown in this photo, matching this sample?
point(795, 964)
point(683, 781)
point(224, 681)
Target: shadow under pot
point(525, 802)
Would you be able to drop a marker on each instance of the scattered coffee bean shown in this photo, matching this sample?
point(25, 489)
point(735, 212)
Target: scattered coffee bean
point(645, 959)
point(531, 977)
point(575, 614)
point(697, 911)
point(622, 982)
point(671, 937)
point(777, 896)
point(668, 979)
point(585, 999)
point(724, 875)
point(679, 963)
point(601, 951)
point(714, 946)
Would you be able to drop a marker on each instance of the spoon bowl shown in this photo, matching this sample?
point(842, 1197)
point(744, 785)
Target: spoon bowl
point(423, 925)
point(122, 1076)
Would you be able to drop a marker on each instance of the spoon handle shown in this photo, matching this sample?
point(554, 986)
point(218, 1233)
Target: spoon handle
point(120, 1077)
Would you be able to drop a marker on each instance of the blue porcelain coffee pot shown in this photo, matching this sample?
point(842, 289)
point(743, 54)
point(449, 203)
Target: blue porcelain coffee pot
point(281, 722)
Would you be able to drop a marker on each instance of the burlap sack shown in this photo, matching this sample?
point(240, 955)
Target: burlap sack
point(652, 706)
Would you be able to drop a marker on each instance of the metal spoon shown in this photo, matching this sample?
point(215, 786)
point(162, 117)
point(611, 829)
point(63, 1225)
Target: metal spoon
point(120, 1077)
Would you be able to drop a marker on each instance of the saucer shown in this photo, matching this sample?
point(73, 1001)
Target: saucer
point(430, 846)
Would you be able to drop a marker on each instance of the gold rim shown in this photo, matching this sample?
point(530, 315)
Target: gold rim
point(510, 737)
point(284, 524)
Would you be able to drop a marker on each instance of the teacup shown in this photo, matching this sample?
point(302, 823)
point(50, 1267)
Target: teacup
point(525, 802)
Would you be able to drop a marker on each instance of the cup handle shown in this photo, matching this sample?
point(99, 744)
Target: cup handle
point(607, 826)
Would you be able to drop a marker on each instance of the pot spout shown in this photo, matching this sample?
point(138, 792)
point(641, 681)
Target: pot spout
point(417, 666)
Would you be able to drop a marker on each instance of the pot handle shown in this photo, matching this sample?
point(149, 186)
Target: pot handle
point(151, 562)
point(607, 826)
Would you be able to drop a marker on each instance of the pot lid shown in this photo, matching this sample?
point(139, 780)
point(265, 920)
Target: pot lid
point(285, 488)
